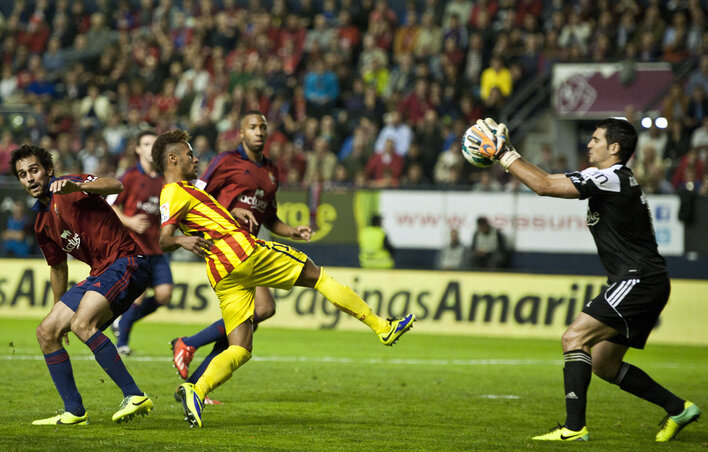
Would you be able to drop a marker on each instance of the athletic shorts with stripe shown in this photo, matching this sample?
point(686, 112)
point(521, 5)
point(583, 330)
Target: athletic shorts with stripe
point(121, 283)
point(632, 307)
point(271, 264)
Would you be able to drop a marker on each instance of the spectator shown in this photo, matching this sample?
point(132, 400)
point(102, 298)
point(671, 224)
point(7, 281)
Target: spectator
point(677, 144)
point(320, 37)
point(375, 251)
point(448, 167)
point(387, 162)
point(459, 8)
point(487, 183)
point(320, 163)
point(699, 77)
point(417, 103)
point(454, 255)
point(8, 85)
point(7, 145)
point(690, 168)
point(697, 109)
point(489, 248)
point(95, 109)
point(651, 172)
point(495, 76)
point(653, 137)
point(675, 105)
point(376, 75)
point(699, 139)
point(405, 38)
point(429, 42)
point(575, 33)
point(321, 89)
point(415, 178)
point(397, 131)
point(18, 232)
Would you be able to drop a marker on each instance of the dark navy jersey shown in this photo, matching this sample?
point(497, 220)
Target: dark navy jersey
point(620, 222)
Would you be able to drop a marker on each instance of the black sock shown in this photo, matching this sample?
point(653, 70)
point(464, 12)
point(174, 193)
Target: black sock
point(636, 382)
point(576, 376)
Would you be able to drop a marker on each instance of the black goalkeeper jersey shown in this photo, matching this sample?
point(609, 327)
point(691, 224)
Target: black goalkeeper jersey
point(620, 222)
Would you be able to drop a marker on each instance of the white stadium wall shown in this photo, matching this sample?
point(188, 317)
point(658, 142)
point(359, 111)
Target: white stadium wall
point(493, 304)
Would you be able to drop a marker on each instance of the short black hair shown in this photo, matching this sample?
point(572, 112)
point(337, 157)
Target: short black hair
point(249, 113)
point(623, 133)
point(165, 140)
point(27, 150)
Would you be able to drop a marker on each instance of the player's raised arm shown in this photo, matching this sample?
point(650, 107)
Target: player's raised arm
point(544, 184)
point(99, 186)
point(491, 140)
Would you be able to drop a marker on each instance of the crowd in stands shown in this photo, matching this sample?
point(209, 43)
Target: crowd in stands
point(363, 93)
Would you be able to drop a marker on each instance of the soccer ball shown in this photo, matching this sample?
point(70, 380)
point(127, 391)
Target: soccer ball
point(470, 150)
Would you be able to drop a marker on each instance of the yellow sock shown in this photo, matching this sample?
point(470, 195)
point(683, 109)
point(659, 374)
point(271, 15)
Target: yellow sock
point(348, 301)
point(221, 368)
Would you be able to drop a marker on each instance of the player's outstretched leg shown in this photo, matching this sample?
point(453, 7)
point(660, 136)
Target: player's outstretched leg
point(191, 403)
point(346, 300)
point(219, 346)
point(398, 328)
point(560, 433)
point(132, 406)
point(672, 425)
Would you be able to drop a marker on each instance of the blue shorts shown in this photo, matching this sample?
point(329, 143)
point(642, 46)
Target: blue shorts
point(121, 283)
point(160, 268)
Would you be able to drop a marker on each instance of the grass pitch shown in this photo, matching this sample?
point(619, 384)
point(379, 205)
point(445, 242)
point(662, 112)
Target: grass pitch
point(339, 390)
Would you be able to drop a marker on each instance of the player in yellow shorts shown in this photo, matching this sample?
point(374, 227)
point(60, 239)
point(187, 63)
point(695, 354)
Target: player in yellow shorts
point(237, 263)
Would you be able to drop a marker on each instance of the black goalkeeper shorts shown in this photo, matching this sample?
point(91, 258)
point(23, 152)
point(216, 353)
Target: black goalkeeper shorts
point(632, 307)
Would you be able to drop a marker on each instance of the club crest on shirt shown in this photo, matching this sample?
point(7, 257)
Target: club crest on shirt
point(73, 241)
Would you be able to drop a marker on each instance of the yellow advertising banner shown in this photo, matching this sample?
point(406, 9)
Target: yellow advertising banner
point(494, 304)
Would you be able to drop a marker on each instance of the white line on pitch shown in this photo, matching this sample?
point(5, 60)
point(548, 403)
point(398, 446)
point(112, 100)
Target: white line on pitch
point(344, 360)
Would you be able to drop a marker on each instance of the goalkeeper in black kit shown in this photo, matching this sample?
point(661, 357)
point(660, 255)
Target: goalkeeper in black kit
point(624, 314)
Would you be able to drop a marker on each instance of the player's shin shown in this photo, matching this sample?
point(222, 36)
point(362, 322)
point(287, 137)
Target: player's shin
point(345, 299)
point(636, 382)
point(59, 366)
point(576, 376)
point(107, 357)
point(221, 368)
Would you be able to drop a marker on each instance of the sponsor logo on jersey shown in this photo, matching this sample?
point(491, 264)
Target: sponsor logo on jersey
point(150, 206)
point(73, 241)
point(256, 202)
point(593, 218)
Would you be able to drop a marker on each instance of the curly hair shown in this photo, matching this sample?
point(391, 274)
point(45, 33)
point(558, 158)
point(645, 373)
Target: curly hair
point(161, 145)
point(27, 150)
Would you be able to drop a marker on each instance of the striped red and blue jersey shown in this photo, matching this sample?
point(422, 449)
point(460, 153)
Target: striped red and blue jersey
point(234, 180)
point(142, 195)
point(83, 225)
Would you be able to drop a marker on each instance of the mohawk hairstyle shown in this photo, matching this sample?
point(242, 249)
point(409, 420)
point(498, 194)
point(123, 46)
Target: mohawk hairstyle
point(162, 144)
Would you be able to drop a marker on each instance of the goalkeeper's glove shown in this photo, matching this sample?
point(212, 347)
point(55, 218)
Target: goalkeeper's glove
point(503, 150)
